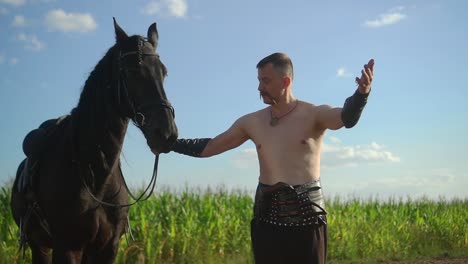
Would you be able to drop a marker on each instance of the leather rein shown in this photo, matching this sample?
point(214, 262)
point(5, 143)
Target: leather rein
point(143, 197)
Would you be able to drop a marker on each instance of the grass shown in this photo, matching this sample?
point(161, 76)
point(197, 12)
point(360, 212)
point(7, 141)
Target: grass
point(398, 229)
point(213, 226)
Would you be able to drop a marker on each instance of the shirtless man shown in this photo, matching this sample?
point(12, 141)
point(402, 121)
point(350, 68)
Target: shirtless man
point(289, 224)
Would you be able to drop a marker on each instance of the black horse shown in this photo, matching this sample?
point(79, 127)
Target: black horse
point(77, 170)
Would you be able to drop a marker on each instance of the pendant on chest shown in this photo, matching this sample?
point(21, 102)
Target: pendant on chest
point(273, 121)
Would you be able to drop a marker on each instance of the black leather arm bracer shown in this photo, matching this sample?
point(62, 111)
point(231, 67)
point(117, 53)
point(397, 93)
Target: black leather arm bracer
point(352, 108)
point(191, 147)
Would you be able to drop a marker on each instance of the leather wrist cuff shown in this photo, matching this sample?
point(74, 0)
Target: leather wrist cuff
point(191, 147)
point(352, 108)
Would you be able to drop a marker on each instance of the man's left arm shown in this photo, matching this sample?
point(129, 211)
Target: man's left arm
point(349, 114)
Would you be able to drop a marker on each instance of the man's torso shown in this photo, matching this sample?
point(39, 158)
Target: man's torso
point(289, 151)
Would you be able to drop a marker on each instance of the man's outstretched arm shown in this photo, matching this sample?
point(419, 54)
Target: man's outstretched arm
point(207, 147)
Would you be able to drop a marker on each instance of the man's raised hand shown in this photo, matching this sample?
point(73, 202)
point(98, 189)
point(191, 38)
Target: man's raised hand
point(367, 74)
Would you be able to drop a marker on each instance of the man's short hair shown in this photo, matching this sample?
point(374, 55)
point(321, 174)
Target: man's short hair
point(281, 64)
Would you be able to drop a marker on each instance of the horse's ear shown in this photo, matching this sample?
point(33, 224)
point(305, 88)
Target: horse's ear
point(153, 35)
point(120, 34)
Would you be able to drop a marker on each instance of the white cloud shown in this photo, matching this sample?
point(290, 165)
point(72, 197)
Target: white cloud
point(19, 21)
point(334, 139)
point(152, 8)
point(245, 159)
point(393, 16)
point(13, 2)
point(432, 183)
point(428, 179)
point(397, 9)
point(30, 41)
point(342, 72)
point(178, 8)
point(59, 20)
point(175, 8)
point(336, 155)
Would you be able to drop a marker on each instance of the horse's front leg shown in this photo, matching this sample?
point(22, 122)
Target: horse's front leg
point(104, 255)
point(67, 256)
point(40, 255)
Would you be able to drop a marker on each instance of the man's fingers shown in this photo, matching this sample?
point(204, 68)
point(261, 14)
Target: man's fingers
point(370, 73)
point(358, 81)
point(371, 69)
point(371, 64)
point(367, 74)
point(364, 77)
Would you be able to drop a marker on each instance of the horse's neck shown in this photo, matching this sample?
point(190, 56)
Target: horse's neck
point(99, 128)
point(99, 136)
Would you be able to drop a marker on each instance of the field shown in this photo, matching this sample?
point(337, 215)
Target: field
point(212, 226)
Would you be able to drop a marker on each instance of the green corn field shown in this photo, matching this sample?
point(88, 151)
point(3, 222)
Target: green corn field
point(213, 226)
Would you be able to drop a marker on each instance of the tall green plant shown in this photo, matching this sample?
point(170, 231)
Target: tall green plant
point(213, 226)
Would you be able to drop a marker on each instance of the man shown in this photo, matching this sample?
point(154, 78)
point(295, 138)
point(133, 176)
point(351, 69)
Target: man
point(289, 224)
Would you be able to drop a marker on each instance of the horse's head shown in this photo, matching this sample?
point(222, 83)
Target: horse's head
point(140, 91)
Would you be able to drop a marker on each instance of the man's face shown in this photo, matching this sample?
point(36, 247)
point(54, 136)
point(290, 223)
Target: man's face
point(270, 84)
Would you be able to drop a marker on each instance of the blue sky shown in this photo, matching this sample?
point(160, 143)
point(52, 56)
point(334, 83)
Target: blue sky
point(410, 140)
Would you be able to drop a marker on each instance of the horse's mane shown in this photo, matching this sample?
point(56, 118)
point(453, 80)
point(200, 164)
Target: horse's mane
point(98, 105)
point(100, 77)
point(98, 80)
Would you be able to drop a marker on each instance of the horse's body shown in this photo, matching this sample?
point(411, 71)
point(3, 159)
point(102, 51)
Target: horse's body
point(82, 157)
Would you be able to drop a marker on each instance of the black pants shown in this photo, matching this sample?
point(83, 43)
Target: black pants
point(288, 245)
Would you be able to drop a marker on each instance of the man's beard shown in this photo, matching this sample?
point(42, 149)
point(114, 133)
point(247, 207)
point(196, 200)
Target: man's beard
point(263, 94)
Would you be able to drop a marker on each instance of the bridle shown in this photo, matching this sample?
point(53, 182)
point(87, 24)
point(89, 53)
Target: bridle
point(122, 88)
point(136, 114)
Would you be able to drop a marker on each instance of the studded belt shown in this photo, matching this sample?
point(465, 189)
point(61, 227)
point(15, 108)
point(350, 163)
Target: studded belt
point(283, 204)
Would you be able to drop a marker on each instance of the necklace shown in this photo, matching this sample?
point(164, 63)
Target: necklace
point(275, 119)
